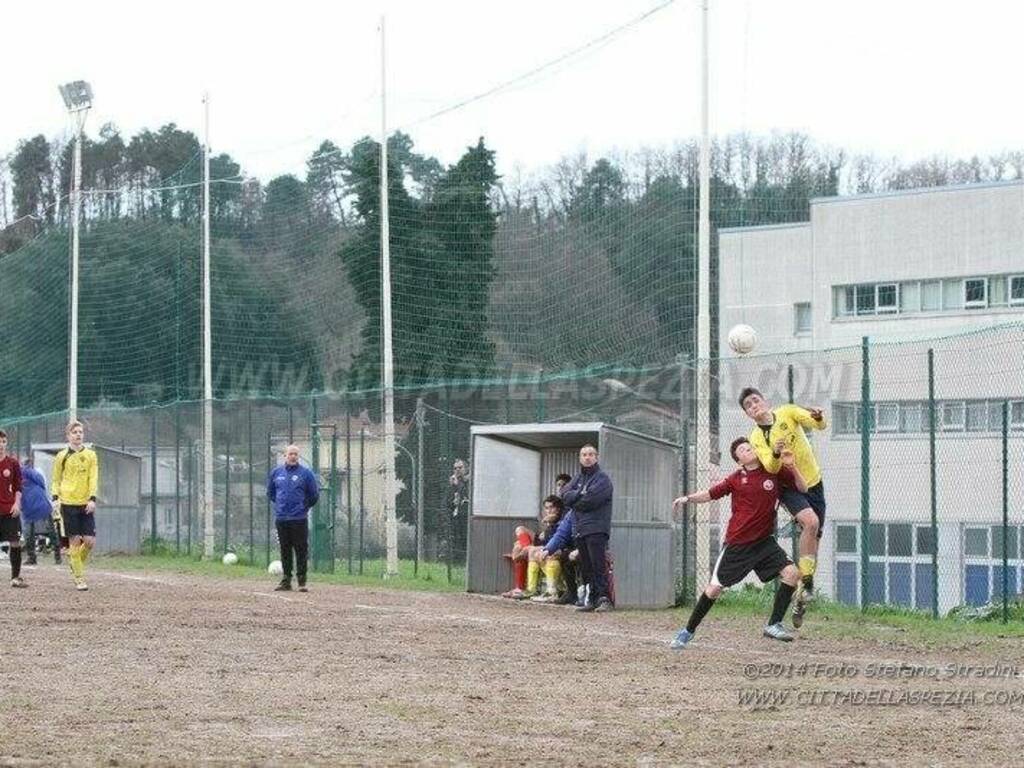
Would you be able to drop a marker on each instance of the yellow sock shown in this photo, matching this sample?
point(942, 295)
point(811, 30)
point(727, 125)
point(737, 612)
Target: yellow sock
point(553, 572)
point(75, 560)
point(83, 556)
point(808, 564)
point(532, 576)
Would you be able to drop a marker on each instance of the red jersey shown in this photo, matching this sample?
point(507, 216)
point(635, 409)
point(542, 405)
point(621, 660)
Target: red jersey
point(755, 496)
point(10, 483)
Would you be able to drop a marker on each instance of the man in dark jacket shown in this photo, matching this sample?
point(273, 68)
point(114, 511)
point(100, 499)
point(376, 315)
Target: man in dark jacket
point(589, 496)
point(293, 490)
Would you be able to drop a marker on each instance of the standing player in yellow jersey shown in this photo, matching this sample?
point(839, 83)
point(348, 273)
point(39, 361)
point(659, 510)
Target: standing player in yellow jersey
point(781, 429)
point(75, 480)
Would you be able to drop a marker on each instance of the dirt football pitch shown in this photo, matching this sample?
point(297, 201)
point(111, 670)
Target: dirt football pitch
point(171, 669)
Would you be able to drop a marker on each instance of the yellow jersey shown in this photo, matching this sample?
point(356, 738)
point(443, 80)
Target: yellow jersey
point(788, 426)
point(75, 476)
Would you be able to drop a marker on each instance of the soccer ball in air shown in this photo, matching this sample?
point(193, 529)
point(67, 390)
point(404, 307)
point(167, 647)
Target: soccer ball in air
point(742, 339)
point(230, 558)
point(275, 568)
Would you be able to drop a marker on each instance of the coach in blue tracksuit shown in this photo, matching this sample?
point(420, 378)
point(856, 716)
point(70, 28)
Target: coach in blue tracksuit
point(589, 495)
point(293, 489)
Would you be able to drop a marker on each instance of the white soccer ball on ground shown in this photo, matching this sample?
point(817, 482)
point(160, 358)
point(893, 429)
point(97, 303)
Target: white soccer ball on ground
point(275, 568)
point(742, 339)
point(230, 558)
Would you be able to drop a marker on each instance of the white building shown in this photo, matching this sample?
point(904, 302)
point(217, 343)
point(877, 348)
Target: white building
point(937, 268)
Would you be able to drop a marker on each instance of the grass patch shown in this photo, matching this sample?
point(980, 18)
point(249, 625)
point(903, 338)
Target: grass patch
point(880, 623)
point(430, 577)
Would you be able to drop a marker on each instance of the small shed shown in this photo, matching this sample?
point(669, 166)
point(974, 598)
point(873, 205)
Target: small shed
point(118, 502)
point(514, 468)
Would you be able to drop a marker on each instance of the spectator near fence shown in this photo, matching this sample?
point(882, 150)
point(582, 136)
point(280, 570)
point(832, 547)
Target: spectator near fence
point(589, 495)
point(458, 506)
point(36, 511)
point(293, 490)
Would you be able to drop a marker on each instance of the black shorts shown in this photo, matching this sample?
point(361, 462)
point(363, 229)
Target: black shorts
point(764, 557)
point(10, 529)
point(76, 521)
point(794, 501)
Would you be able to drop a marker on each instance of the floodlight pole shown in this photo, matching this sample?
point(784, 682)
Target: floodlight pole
point(702, 447)
point(390, 518)
point(208, 529)
point(79, 113)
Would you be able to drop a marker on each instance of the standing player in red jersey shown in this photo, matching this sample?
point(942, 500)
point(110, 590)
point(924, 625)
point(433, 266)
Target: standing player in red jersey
point(10, 509)
point(750, 543)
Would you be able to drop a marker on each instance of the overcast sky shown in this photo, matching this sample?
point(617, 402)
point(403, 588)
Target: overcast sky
point(897, 78)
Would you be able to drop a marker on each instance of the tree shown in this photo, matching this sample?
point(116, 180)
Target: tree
point(32, 174)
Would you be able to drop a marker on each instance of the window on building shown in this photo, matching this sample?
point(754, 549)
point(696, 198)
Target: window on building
point(952, 294)
point(1017, 414)
point(1017, 290)
point(851, 300)
point(983, 573)
point(953, 416)
point(846, 539)
point(925, 540)
point(977, 416)
point(995, 416)
point(802, 316)
point(910, 297)
point(866, 300)
point(900, 569)
point(913, 417)
point(976, 542)
point(997, 292)
point(847, 418)
point(888, 298)
point(976, 292)
point(931, 296)
point(887, 417)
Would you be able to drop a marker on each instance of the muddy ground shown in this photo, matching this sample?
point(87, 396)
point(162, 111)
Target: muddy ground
point(171, 669)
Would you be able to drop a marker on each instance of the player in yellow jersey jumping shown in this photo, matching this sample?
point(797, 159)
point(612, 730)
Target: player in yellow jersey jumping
point(75, 483)
point(777, 430)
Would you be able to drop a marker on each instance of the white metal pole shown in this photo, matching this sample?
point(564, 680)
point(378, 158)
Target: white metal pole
point(76, 215)
point(702, 447)
point(390, 519)
point(208, 524)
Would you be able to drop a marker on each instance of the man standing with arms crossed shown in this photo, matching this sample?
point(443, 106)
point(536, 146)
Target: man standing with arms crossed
point(293, 490)
point(776, 431)
point(10, 509)
point(589, 496)
point(76, 474)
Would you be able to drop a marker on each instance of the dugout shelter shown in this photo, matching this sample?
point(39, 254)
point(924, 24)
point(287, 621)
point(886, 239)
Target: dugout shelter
point(513, 468)
point(118, 498)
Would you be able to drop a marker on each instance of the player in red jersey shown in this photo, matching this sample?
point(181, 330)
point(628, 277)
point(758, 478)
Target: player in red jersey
point(10, 509)
point(750, 543)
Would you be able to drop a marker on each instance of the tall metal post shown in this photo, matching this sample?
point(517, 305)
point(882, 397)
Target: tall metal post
point(252, 494)
point(390, 515)
point(1006, 510)
point(865, 472)
point(362, 495)
point(702, 448)
point(421, 423)
point(208, 522)
point(933, 484)
point(152, 483)
point(177, 478)
point(348, 482)
point(227, 494)
point(76, 215)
